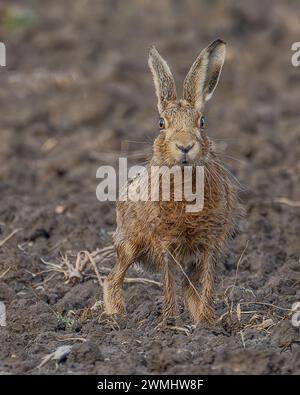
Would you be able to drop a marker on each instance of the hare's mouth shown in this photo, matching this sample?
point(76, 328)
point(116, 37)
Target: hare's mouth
point(185, 161)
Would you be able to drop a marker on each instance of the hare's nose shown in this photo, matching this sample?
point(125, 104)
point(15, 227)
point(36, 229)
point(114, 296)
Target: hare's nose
point(185, 149)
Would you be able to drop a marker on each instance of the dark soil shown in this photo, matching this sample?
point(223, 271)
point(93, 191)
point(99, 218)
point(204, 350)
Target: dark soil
point(76, 94)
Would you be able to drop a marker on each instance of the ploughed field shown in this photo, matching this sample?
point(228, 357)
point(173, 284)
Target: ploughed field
point(77, 94)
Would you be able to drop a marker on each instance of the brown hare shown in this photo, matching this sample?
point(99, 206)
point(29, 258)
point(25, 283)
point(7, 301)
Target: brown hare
point(162, 234)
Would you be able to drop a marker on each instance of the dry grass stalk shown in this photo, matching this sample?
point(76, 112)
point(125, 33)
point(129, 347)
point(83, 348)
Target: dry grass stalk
point(80, 339)
point(268, 304)
point(175, 328)
point(288, 202)
point(243, 339)
point(264, 325)
point(4, 273)
point(83, 258)
point(91, 258)
point(2, 242)
point(236, 274)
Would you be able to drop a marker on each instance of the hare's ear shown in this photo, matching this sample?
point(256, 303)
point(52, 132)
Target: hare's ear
point(163, 80)
point(203, 77)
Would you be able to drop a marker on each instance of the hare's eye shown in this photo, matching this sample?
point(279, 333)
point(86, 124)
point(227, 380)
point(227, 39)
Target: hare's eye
point(161, 123)
point(201, 122)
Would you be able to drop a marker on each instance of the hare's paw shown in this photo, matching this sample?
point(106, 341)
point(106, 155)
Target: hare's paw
point(204, 314)
point(113, 299)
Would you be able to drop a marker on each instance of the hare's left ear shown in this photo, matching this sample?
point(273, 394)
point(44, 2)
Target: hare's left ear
point(203, 77)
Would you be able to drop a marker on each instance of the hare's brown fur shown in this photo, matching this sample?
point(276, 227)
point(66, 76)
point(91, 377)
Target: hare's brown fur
point(162, 234)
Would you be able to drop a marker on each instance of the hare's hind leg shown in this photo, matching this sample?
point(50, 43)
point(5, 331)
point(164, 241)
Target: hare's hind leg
point(112, 287)
point(200, 304)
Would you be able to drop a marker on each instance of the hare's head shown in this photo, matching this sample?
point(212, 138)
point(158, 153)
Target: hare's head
point(182, 139)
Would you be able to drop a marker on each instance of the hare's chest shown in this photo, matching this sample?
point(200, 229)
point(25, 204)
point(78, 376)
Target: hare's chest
point(172, 220)
point(175, 225)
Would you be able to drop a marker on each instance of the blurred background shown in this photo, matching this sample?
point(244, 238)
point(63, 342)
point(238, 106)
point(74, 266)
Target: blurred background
point(77, 93)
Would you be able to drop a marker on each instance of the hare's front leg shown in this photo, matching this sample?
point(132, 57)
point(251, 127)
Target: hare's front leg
point(170, 308)
point(190, 290)
point(201, 304)
point(112, 287)
point(206, 306)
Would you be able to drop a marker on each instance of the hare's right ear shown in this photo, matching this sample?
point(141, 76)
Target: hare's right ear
point(203, 77)
point(163, 80)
